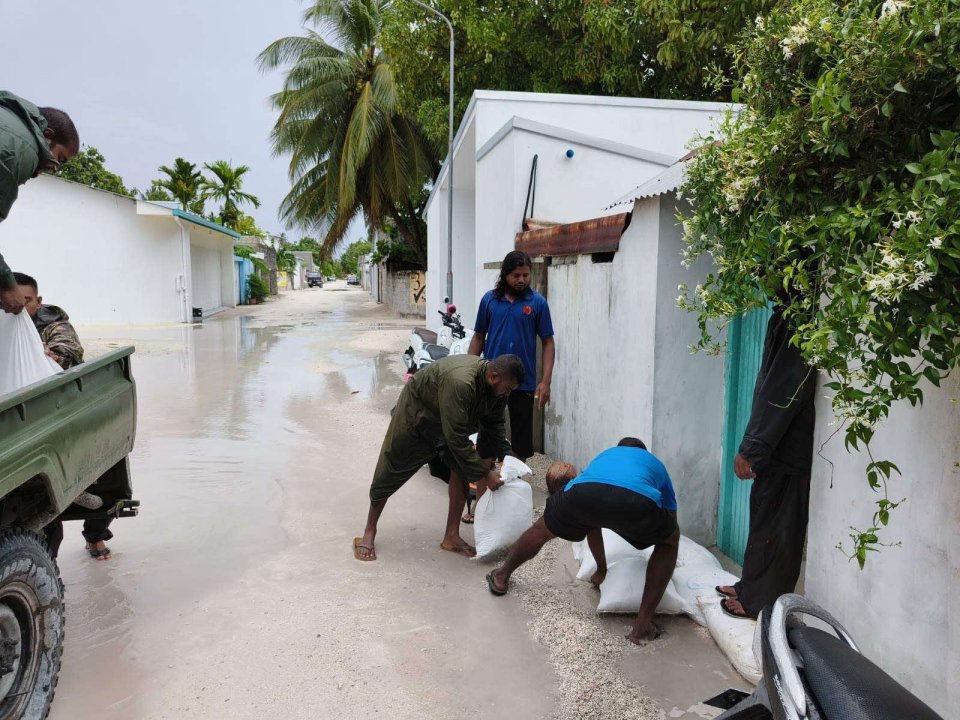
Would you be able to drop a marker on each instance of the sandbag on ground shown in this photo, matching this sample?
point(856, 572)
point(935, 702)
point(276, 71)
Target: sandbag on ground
point(734, 636)
point(693, 581)
point(622, 589)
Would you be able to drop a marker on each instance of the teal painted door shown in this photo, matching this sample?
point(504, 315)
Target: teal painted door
point(745, 336)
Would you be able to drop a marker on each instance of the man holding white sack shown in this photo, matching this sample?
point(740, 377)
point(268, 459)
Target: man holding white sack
point(436, 413)
point(625, 489)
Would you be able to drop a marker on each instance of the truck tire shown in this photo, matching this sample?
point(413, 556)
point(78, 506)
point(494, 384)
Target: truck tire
point(31, 626)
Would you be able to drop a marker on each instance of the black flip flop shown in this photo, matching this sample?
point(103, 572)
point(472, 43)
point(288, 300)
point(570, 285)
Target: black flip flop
point(722, 594)
point(731, 613)
point(493, 588)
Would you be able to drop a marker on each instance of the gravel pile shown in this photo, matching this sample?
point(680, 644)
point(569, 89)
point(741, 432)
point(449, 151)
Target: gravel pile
point(584, 654)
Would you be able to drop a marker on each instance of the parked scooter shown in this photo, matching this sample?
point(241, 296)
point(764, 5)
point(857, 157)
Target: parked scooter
point(427, 347)
point(809, 673)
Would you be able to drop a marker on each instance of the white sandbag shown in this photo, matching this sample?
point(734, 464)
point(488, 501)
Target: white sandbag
point(691, 553)
point(503, 515)
point(22, 359)
point(696, 580)
point(734, 636)
point(622, 589)
point(577, 548)
point(614, 547)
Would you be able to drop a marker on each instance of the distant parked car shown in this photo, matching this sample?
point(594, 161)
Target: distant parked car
point(314, 279)
point(353, 280)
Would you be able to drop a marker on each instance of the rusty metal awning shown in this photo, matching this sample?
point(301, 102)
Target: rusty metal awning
point(586, 237)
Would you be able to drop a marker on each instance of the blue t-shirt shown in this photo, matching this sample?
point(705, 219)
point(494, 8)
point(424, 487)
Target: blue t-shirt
point(632, 468)
point(513, 327)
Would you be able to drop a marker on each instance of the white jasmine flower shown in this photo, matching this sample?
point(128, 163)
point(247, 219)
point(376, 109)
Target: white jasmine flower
point(893, 7)
point(936, 243)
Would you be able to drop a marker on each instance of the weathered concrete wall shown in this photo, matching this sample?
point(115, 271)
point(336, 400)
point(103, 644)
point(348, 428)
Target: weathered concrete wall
point(404, 291)
point(688, 388)
point(903, 609)
point(624, 367)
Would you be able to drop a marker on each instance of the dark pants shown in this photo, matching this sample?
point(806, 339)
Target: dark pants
point(93, 531)
point(520, 407)
point(779, 505)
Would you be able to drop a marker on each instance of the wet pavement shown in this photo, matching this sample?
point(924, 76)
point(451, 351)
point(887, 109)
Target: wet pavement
point(235, 593)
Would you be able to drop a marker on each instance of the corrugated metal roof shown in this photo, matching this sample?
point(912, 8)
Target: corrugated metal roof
point(589, 236)
point(667, 181)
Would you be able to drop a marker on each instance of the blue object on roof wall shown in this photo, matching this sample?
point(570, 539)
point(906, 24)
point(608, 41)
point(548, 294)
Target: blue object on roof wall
point(569, 152)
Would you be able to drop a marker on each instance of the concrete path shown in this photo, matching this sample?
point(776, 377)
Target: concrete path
point(235, 593)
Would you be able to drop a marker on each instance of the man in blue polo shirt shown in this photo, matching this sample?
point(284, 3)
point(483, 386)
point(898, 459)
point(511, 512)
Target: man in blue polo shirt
point(510, 319)
point(625, 489)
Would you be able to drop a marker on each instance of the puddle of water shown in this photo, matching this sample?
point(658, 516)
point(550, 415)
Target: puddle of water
point(227, 411)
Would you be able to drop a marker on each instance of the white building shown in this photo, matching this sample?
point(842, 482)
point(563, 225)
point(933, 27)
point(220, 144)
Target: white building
point(588, 150)
point(108, 258)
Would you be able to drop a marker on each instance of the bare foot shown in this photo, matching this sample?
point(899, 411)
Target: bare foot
point(643, 633)
point(728, 591)
point(467, 518)
point(458, 545)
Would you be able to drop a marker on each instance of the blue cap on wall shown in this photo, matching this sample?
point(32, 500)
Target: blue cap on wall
point(569, 152)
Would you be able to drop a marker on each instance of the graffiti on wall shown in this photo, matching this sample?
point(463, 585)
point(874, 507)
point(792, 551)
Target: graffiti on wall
point(418, 287)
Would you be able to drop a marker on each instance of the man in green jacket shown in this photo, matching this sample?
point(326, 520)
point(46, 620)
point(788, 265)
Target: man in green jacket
point(32, 140)
point(438, 411)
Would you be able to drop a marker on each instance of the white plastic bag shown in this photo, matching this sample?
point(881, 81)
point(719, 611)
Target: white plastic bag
point(614, 547)
point(22, 359)
point(734, 636)
point(622, 589)
point(693, 581)
point(505, 514)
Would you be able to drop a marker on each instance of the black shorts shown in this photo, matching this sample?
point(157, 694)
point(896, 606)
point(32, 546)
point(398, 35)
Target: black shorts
point(637, 519)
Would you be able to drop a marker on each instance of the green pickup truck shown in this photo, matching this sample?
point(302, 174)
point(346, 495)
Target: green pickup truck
point(58, 438)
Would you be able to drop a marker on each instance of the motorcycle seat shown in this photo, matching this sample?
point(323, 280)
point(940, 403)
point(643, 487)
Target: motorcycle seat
point(437, 352)
point(428, 336)
point(847, 686)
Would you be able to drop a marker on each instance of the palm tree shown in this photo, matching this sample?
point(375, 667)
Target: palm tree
point(351, 148)
point(225, 186)
point(183, 182)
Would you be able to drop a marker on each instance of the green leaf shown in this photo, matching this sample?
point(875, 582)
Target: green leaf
point(900, 88)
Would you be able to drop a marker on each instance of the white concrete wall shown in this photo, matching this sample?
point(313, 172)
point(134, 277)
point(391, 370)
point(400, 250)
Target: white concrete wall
point(93, 255)
point(603, 319)
point(664, 127)
point(903, 609)
point(688, 388)
point(205, 271)
point(624, 365)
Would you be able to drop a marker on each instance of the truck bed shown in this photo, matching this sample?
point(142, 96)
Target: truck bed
point(60, 436)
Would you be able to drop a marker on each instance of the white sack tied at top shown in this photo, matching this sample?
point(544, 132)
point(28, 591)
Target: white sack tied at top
point(503, 515)
point(22, 358)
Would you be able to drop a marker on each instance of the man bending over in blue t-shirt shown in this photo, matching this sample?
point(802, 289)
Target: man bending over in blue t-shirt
point(625, 489)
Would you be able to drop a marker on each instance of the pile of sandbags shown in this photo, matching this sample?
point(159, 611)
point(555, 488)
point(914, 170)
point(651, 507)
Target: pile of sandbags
point(22, 359)
point(691, 591)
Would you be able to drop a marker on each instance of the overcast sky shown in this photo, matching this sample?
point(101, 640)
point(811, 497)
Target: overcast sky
point(148, 82)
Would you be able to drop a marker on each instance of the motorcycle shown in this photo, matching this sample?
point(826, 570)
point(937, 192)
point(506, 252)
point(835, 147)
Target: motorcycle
point(816, 675)
point(427, 347)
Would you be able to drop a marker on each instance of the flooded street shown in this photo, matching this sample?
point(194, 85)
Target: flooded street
point(235, 593)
